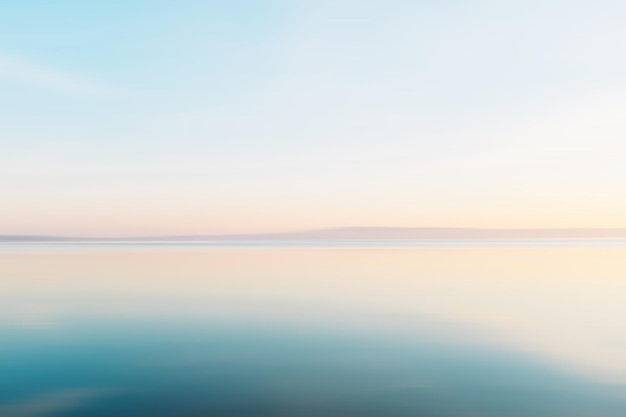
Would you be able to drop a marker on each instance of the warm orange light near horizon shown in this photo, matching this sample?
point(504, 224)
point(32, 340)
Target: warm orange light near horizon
point(151, 220)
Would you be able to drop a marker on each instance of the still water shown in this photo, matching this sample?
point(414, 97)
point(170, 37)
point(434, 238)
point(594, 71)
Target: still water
point(160, 330)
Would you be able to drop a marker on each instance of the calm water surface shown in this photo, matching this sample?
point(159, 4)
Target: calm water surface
point(521, 330)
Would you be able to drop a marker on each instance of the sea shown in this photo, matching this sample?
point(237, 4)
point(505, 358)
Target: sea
point(503, 328)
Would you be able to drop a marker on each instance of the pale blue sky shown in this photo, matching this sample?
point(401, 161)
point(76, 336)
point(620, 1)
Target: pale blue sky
point(149, 117)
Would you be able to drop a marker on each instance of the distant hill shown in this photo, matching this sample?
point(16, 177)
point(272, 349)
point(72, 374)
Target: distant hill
point(357, 234)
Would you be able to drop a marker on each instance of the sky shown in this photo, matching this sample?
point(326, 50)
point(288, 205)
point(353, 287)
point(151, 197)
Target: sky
point(150, 117)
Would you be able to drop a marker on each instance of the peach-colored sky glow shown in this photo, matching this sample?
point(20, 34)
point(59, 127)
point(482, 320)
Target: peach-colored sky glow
point(295, 115)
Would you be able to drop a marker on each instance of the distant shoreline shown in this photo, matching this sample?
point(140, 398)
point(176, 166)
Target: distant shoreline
point(357, 234)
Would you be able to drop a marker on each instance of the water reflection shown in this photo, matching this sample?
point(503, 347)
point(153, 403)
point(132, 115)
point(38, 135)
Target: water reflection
point(178, 369)
point(311, 332)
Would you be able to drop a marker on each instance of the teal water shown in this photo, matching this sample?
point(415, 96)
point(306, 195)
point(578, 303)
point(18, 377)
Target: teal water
point(200, 331)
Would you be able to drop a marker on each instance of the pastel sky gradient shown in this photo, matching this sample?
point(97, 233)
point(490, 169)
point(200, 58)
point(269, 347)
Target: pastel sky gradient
point(198, 116)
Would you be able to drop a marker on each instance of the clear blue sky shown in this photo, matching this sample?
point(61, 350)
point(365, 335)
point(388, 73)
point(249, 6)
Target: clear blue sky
point(150, 117)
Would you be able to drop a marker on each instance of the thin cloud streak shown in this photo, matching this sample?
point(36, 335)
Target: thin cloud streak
point(14, 69)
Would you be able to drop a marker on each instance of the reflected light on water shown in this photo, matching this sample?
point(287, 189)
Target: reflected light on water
point(312, 331)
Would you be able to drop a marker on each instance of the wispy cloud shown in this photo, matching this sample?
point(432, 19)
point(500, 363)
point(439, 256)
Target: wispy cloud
point(23, 71)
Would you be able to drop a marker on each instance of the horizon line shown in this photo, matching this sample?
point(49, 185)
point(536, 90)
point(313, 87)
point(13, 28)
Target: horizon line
point(355, 233)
